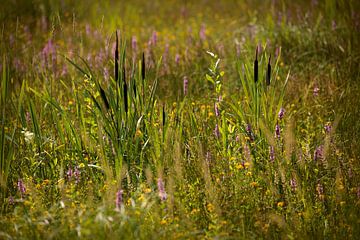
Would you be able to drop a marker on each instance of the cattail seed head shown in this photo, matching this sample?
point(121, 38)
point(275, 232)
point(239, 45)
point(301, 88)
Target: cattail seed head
point(143, 67)
point(268, 73)
point(256, 66)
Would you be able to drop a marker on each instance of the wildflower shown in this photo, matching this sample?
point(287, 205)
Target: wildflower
point(272, 153)
point(186, 83)
point(177, 59)
point(202, 33)
point(154, 38)
point(316, 91)
point(280, 204)
point(11, 200)
point(161, 188)
point(327, 128)
point(119, 199)
point(249, 132)
point(277, 130)
point(216, 108)
point(28, 135)
point(281, 113)
point(320, 191)
point(293, 184)
point(318, 153)
point(217, 131)
point(134, 44)
point(69, 174)
point(21, 187)
point(77, 175)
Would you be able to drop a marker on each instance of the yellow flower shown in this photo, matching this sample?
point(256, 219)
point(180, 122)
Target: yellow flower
point(210, 207)
point(163, 222)
point(239, 166)
point(81, 165)
point(247, 165)
point(147, 190)
point(254, 184)
point(248, 173)
point(280, 204)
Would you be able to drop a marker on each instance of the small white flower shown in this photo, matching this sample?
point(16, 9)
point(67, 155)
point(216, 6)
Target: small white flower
point(29, 136)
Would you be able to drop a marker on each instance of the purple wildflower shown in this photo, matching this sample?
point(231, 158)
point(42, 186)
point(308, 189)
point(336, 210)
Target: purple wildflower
point(69, 174)
point(161, 188)
point(249, 132)
point(216, 108)
point(77, 175)
point(177, 59)
point(186, 83)
point(21, 187)
point(277, 130)
point(316, 91)
point(293, 184)
point(318, 153)
point(327, 128)
point(11, 200)
point(119, 199)
point(217, 131)
point(272, 153)
point(202, 33)
point(281, 113)
point(134, 44)
point(154, 38)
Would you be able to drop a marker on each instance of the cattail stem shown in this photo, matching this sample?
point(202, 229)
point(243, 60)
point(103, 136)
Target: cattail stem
point(268, 73)
point(256, 66)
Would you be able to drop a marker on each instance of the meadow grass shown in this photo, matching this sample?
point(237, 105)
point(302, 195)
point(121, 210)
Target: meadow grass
point(193, 120)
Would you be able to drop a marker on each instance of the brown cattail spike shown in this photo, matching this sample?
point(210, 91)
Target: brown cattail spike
point(143, 66)
point(256, 66)
point(163, 116)
point(268, 73)
point(117, 58)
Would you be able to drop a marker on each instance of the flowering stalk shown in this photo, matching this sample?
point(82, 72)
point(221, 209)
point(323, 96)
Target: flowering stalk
point(161, 188)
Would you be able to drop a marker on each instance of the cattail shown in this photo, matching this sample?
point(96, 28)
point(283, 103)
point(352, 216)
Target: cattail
point(119, 199)
point(268, 73)
point(125, 91)
point(163, 116)
point(256, 66)
point(161, 188)
point(117, 58)
point(143, 67)
point(186, 83)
